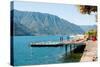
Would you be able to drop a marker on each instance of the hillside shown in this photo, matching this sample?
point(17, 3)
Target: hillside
point(88, 27)
point(36, 23)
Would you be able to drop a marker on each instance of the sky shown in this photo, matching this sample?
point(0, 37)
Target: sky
point(66, 11)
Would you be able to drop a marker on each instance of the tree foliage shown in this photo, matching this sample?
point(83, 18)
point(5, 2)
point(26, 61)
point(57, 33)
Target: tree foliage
point(86, 9)
point(91, 33)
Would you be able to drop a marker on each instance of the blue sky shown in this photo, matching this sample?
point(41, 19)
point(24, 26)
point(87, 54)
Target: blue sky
point(65, 11)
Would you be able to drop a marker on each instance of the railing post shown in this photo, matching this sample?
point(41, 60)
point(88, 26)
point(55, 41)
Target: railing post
point(66, 49)
point(70, 48)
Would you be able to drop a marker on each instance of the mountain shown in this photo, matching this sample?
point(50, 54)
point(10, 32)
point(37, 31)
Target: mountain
point(88, 27)
point(36, 23)
point(20, 30)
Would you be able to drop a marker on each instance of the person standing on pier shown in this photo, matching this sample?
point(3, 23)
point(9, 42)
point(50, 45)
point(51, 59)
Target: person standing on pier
point(61, 38)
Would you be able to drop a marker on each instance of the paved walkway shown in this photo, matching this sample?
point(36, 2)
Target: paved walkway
point(90, 52)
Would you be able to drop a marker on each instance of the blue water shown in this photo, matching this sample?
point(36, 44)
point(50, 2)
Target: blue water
point(26, 55)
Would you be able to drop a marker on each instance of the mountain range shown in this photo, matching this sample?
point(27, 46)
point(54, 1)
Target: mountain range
point(88, 27)
point(27, 23)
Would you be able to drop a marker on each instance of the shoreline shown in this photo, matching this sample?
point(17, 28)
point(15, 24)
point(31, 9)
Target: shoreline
point(90, 52)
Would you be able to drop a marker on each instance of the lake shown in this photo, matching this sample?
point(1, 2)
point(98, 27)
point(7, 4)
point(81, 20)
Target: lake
point(26, 55)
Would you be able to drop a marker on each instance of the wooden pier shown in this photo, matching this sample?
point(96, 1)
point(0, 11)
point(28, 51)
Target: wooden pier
point(57, 44)
point(45, 45)
point(71, 44)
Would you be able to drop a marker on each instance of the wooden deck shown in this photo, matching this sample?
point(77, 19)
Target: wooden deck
point(90, 52)
point(59, 44)
point(45, 45)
